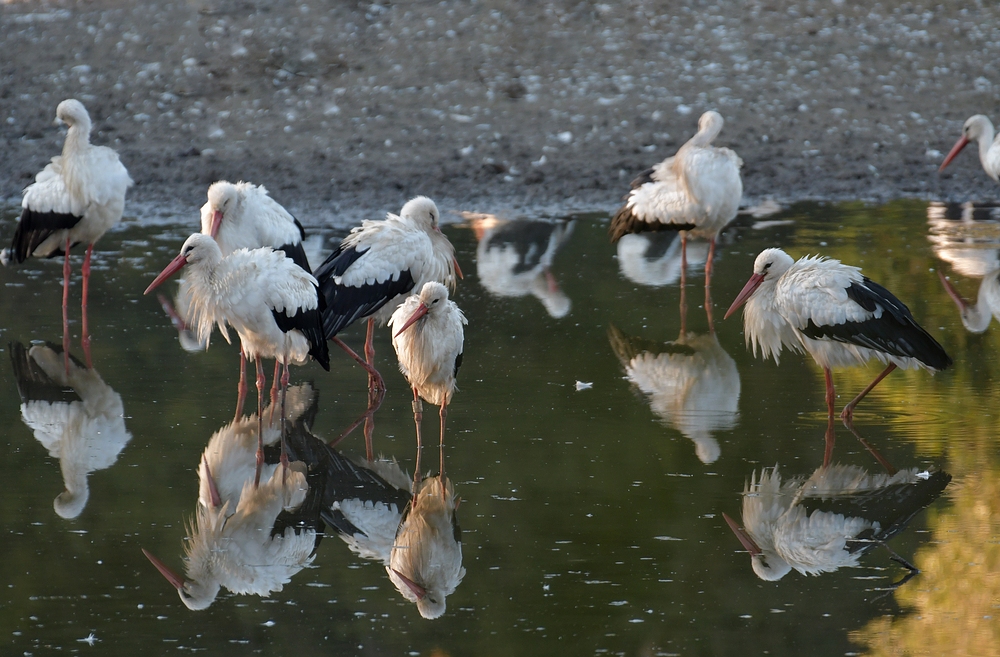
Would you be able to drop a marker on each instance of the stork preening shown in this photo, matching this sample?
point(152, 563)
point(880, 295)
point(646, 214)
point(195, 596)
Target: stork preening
point(241, 545)
point(696, 191)
point(428, 337)
point(425, 564)
point(377, 265)
point(830, 519)
point(272, 303)
point(76, 416)
point(979, 129)
point(74, 200)
point(514, 258)
point(837, 315)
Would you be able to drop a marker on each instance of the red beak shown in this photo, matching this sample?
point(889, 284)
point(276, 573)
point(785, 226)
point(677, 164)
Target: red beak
point(216, 222)
point(418, 590)
point(167, 272)
point(959, 145)
point(458, 270)
point(748, 543)
point(953, 293)
point(417, 314)
point(213, 490)
point(745, 293)
point(175, 580)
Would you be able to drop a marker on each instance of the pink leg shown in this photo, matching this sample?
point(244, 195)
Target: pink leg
point(418, 416)
point(847, 415)
point(443, 415)
point(241, 388)
point(85, 331)
point(830, 394)
point(284, 452)
point(831, 437)
point(884, 462)
point(261, 382)
point(363, 418)
point(708, 263)
point(372, 372)
point(65, 308)
point(684, 258)
point(274, 385)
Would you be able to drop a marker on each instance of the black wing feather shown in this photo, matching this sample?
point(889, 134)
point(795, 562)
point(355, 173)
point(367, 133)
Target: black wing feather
point(346, 304)
point(310, 324)
point(530, 240)
point(33, 384)
point(625, 222)
point(895, 332)
point(34, 228)
point(297, 255)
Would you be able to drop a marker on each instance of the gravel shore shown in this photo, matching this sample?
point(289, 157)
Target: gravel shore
point(347, 109)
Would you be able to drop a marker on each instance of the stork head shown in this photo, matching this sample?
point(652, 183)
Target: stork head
point(197, 249)
point(709, 127)
point(222, 198)
point(422, 211)
point(433, 296)
point(768, 267)
point(69, 504)
point(195, 595)
point(767, 565)
point(975, 128)
point(73, 113)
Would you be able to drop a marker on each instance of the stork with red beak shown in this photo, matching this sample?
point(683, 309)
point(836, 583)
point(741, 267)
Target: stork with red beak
point(979, 129)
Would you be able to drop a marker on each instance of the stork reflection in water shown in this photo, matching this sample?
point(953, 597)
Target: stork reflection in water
point(514, 258)
point(74, 414)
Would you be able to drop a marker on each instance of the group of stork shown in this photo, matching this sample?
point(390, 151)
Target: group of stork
point(247, 269)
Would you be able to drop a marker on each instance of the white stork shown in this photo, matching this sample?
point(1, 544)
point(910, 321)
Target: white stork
point(837, 315)
point(830, 519)
point(428, 338)
point(697, 191)
point(692, 384)
point(379, 263)
point(654, 259)
point(76, 416)
point(976, 316)
point(273, 304)
point(514, 258)
point(245, 549)
point(978, 128)
point(74, 200)
point(425, 564)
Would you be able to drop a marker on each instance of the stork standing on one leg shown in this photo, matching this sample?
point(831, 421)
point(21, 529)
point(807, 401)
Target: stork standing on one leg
point(428, 338)
point(273, 304)
point(696, 191)
point(75, 199)
point(837, 315)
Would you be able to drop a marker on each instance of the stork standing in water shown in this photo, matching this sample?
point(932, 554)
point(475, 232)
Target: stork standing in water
point(244, 216)
point(838, 316)
point(75, 199)
point(273, 304)
point(696, 191)
point(830, 519)
point(979, 129)
point(428, 338)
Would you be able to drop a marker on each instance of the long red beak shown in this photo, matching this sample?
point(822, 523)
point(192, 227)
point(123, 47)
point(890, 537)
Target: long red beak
point(955, 150)
point(418, 590)
point(175, 580)
point(745, 293)
point(417, 314)
point(213, 490)
point(167, 272)
point(216, 222)
point(748, 543)
point(953, 293)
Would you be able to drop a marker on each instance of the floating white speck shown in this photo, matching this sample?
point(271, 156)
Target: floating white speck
point(618, 603)
point(584, 385)
point(924, 475)
point(667, 538)
point(539, 162)
point(90, 639)
point(269, 623)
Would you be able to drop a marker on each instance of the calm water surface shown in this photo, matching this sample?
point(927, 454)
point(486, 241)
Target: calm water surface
point(592, 513)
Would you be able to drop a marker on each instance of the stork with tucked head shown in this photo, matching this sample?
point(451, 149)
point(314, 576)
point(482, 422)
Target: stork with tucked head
point(697, 191)
point(272, 303)
point(978, 129)
point(837, 315)
point(74, 200)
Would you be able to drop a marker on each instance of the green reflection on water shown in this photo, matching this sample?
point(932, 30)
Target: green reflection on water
point(590, 524)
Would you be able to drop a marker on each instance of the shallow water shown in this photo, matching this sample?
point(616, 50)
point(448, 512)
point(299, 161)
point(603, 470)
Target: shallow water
point(591, 524)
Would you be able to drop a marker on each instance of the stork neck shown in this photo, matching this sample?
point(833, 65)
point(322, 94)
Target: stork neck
point(985, 141)
point(77, 137)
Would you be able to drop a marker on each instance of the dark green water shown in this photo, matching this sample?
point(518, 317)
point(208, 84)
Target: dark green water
point(590, 524)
